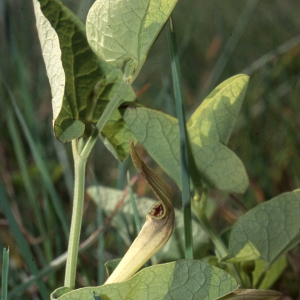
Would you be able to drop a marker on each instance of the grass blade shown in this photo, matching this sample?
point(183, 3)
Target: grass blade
point(21, 241)
point(185, 177)
point(39, 161)
point(21, 159)
point(5, 267)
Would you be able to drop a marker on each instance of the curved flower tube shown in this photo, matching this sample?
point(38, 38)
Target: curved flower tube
point(156, 230)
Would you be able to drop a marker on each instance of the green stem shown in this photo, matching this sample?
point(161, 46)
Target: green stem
point(199, 208)
point(260, 279)
point(79, 165)
point(185, 176)
point(81, 153)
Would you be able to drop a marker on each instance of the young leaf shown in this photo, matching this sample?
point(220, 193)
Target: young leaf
point(267, 231)
point(124, 223)
point(158, 132)
point(60, 292)
point(156, 230)
point(111, 265)
point(216, 115)
point(122, 32)
point(184, 279)
point(273, 273)
point(80, 84)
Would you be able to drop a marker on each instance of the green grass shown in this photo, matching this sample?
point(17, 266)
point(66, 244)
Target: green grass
point(215, 40)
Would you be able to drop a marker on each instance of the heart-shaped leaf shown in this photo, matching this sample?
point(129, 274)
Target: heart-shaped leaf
point(81, 85)
point(184, 279)
point(267, 231)
point(218, 166)
point(122, 32)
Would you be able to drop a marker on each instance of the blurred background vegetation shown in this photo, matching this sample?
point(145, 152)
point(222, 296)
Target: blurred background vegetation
point(217, 39)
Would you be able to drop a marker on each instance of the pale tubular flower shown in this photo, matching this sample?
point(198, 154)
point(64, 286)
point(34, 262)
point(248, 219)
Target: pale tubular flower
point(156, 230)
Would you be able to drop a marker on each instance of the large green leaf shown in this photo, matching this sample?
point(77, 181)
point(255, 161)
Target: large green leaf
point(268, 230)
point(184, 279)
point(122, 32)
point(124, 222)
point(218, 166)
point(80, 84)
point(215, 117)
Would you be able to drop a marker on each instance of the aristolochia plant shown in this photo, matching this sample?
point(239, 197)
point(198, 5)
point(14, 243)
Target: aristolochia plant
point(91, 69)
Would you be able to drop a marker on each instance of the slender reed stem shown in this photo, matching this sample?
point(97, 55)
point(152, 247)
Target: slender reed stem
point(185, 176)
